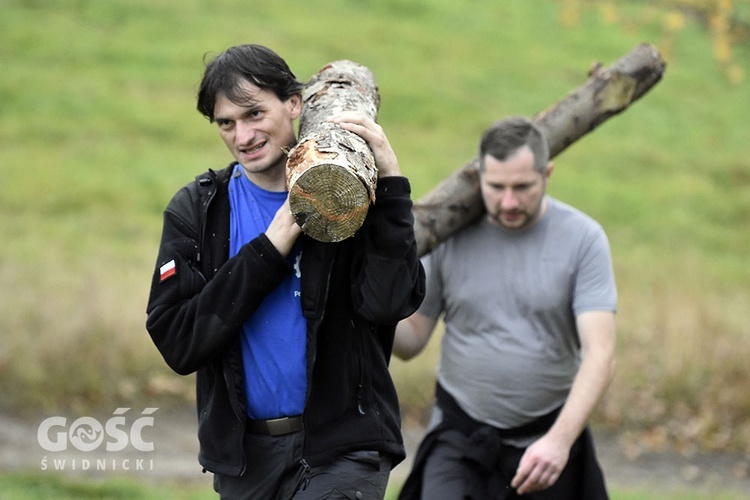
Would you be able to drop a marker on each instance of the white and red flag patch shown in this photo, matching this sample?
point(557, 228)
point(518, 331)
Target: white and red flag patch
point(167, 270)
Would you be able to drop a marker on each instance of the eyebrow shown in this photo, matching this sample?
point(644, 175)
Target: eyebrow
point(248, 109)
point(512, 184)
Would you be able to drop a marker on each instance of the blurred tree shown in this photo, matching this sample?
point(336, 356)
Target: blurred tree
point(726, 21)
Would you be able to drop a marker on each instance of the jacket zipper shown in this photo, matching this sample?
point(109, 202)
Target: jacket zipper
point(361, 369)
point(210, 185)
point(206, 182)
point(312, 341)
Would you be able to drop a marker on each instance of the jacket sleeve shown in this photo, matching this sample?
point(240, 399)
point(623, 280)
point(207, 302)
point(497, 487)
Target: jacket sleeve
point(192, 320)
point(391, 281)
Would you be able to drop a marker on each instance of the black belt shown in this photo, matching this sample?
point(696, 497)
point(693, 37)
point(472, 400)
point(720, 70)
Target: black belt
point(275, 426)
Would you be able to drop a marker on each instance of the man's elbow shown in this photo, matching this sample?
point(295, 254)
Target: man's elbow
point(406, 344)
point(403, 353)
point(180, 366)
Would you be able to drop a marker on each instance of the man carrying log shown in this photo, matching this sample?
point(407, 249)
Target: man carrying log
point(527, 295)
point(290, 337)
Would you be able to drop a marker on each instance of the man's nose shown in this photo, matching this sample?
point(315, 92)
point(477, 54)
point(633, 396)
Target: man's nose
point(245, 133)
point(508, 200)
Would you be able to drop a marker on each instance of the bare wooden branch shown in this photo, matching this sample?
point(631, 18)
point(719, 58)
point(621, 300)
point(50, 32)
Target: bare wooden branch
point(456, 201)
point(331, 173)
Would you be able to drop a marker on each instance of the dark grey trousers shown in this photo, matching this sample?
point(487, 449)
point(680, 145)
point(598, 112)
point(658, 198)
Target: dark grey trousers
point(275, 471)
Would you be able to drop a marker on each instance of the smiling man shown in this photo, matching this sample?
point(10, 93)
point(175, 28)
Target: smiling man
point(527, 295)
point(257, 129)
point(290, 337)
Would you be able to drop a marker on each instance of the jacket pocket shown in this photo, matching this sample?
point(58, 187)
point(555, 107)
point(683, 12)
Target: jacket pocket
point(364, 335)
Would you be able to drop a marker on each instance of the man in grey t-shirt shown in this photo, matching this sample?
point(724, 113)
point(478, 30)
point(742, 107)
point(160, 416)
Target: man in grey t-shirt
point(528, 299)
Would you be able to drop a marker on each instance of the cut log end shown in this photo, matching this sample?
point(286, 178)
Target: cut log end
point(329, 202)
point(331, 172)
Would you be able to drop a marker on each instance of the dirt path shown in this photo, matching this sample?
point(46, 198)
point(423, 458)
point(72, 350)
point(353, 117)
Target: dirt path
point(175, 451)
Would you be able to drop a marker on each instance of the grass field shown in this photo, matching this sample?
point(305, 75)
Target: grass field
point(98, 129)
point(28, 486)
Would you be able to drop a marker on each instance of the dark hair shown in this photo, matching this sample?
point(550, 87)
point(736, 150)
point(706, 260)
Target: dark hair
point(507, 136)
point(257, 64)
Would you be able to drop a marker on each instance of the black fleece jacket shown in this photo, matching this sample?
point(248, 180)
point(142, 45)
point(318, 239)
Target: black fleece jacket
point(353, 294)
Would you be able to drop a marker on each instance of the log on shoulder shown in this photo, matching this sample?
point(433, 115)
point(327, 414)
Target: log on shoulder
point(331, 172)
point(456, 201)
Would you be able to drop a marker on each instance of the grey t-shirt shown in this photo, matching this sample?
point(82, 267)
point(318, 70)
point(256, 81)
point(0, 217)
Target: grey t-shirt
point(511, 350)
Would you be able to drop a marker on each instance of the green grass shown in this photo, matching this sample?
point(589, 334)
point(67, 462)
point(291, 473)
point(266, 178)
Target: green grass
point(98, 129)
point(35, 486)
point(38, 486)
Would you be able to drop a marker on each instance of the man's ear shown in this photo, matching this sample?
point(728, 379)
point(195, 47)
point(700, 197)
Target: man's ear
point(550, 168)
point(295, 103)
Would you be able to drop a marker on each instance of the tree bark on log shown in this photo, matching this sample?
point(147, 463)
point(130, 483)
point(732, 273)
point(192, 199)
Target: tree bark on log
point(331, 172)
point(456, 201)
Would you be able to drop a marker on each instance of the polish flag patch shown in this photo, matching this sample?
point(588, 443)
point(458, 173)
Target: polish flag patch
point(167, 271)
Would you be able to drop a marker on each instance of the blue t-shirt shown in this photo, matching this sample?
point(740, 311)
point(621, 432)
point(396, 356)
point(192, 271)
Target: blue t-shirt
point(274, 337)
